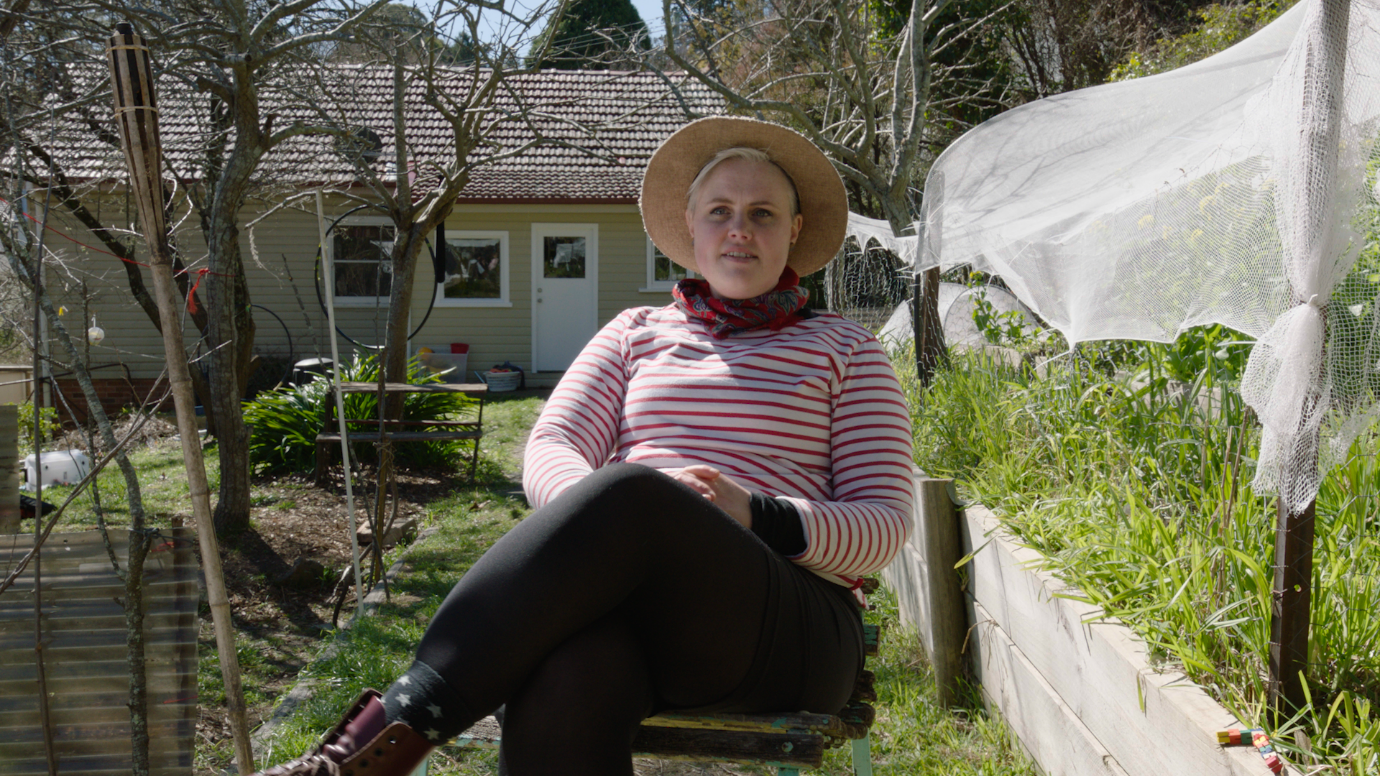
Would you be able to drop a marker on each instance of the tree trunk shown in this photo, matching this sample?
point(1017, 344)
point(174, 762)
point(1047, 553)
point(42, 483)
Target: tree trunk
point(134, 633)
point(230, 338)
point(931, 352)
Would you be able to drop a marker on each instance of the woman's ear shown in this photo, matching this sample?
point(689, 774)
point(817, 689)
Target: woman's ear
point(690, 224)
point(795, 227)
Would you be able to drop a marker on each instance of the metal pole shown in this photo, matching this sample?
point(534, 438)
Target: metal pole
point(328, 280)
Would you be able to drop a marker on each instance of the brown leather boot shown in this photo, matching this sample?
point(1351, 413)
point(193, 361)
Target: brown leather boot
point(393, 750)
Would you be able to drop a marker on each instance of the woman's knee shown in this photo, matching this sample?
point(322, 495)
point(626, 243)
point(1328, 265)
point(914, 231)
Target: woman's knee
point(630, 493)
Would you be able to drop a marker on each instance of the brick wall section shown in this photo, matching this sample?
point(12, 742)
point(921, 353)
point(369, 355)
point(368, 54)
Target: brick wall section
point(115, 394)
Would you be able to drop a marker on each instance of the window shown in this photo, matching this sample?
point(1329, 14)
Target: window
point(362, 251)
point(662, 273)
point(476, 272)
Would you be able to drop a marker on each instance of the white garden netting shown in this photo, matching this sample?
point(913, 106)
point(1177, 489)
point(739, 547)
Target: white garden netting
point(1239, 190)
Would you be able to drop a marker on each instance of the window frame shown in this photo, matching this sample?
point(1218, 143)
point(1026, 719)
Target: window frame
point(505, 267)
point(653, 285)
point(360, 301)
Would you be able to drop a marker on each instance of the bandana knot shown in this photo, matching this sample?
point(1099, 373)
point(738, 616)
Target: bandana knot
point(774, 310)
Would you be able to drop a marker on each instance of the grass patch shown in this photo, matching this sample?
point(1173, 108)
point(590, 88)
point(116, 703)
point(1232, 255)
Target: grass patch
point(1136, 488)
point(913, 735)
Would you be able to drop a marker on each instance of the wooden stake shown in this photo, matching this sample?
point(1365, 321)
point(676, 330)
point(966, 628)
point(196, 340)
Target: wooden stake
point(136, 112)
point(1290, 615)
point(1319, 136)
point(948, 611)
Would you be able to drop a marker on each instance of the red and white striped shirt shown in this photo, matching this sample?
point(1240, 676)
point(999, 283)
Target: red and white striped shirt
point(812, 413)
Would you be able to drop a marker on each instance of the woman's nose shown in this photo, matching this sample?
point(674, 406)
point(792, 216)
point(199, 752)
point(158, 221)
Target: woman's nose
point(739, 226)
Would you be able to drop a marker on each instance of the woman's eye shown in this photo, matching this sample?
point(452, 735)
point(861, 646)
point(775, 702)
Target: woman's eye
point(719, 211)
point(760, 213)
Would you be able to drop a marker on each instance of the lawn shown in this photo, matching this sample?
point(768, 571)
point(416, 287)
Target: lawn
point(284, 632)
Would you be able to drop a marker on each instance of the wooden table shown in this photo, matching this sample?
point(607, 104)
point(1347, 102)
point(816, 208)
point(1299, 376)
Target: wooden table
point(404, 430)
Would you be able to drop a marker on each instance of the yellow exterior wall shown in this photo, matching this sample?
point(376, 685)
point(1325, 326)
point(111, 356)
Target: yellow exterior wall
point(279, 254)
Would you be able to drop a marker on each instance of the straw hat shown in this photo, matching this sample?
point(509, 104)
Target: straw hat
point(666, 184)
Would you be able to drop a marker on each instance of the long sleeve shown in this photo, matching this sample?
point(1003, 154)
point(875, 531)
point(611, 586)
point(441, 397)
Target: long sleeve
point(578, 429)
point(865, 523)
point(811, 416)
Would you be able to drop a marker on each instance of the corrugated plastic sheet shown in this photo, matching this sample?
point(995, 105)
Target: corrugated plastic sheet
point(85, 656)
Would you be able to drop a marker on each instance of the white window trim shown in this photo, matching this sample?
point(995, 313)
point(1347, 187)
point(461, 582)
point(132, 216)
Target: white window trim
point(504, 299)
point(655, 286)
point(360, 301)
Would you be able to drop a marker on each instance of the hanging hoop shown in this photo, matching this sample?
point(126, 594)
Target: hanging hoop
point(321, 300)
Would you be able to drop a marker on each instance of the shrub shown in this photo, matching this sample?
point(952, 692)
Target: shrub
point(285, 421)
point(48, 424)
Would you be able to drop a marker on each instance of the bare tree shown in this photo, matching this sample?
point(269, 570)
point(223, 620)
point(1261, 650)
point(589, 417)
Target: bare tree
point(240, 65)
point(881, 108)
point(417, 183)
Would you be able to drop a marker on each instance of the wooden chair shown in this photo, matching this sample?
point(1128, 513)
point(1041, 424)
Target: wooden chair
point(787, 742)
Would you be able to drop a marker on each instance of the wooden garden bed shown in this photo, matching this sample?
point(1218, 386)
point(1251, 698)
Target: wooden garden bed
point(1076, 689)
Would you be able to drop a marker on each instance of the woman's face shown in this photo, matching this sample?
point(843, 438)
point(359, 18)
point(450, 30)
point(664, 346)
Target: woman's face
point(743, 228)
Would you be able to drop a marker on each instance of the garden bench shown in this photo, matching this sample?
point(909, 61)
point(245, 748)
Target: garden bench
point(328, 442)
point(787, 741)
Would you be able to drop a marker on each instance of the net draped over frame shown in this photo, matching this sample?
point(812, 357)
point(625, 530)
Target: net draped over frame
point(1239, 190)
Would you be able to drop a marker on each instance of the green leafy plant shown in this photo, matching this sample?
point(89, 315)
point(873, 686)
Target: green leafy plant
point(48, 425)
point(1134, 485)
point(285, 421)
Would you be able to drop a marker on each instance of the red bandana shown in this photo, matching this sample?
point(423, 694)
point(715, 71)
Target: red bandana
point(775, 310)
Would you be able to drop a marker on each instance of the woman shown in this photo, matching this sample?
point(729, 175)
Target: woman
point(711, 479)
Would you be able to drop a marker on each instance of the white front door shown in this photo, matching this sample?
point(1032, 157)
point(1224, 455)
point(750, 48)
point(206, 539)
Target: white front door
point(565, 292)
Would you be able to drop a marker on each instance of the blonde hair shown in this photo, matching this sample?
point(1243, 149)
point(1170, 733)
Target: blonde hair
point(738, 152)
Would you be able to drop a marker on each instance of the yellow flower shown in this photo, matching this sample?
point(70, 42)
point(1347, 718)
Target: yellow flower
point(1146, 221)
point(1205, 203)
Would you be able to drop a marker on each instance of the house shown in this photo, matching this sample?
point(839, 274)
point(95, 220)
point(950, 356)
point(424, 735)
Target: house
point(540, 251)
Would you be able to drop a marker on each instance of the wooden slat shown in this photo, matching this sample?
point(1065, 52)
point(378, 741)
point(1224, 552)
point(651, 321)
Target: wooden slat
point(9, 468)
point(1046, 727)
point(1152, 723)
point(771, 749)
point(401, 436)
point(764, 723)
point(469, 389)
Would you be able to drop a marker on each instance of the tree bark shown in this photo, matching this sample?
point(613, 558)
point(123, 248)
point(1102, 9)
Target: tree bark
point(230, 340)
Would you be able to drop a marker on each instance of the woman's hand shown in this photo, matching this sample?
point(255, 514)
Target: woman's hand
point(727, 494)
point(696, 482)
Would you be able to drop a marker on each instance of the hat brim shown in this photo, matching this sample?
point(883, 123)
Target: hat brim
point(666, 184)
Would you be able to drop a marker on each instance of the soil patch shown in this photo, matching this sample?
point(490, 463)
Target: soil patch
point(283, 616)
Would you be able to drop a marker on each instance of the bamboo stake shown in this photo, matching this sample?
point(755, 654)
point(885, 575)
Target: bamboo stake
point(136, 112)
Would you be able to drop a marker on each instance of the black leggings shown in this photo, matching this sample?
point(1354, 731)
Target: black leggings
point(627, 595)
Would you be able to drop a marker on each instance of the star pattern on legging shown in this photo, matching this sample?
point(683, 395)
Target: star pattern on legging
point(433, 734)
point(404, 699)
point(435, 711)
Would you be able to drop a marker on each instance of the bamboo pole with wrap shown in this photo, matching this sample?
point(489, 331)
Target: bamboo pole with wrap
point(136, 113)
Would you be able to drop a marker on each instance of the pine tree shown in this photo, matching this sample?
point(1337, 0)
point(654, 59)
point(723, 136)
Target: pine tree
point(591, 34)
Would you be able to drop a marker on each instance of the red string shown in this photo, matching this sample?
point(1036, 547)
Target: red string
point(201, 273)
point(191, 300)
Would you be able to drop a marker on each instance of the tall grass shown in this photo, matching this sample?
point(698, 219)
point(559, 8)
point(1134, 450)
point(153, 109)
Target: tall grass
point(1136, 488)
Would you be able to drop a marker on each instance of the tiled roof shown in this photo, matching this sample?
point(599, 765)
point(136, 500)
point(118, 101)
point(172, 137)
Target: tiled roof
point(602, 127)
